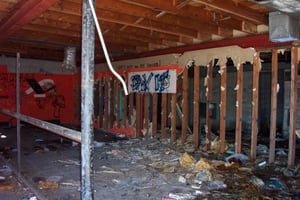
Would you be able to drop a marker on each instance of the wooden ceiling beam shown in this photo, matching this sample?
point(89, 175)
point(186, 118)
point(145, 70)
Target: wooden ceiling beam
point(130, 20)
point(192, 12)
point(22, 14)
point(234, 9)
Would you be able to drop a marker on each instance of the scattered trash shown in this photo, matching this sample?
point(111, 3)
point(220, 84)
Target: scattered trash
point(203, 175)
point(119, 153)
point(262, 148)
point(98, 144)
point(3, 136)
point(216, 185)
point(288, 173)
point(4, 186)
point(29, 198)
point(54, 178)
point(39, 140)
point(37, 179)
point(281, 152)
point(69, 162)
point(237, 156)
point(215, 145)
point(186, 160)
point(6, 170)
point(47, 185)
point(275, 184)
point(181, 179)
point(257, 182)
point(179, 196)
point(203, 164)
point(263, 163)
point(73, 183)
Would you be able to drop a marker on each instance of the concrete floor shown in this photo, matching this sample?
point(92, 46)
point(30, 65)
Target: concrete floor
point(145, 168)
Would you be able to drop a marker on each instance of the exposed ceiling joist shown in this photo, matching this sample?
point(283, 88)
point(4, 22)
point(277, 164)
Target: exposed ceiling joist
point(229, 7)
point(23, 13)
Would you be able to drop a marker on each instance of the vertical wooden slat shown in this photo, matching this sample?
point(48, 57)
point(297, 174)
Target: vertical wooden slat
point(118, 103)
point(196, 106)
point(185, 104)
point(138, 115)
point(106, 82)
point(223, 108)
point(239, 109)
point(173, 117)
point(111, 102)
point(146, 112)
point(101, 102)
point(124, 109)
point(208, 83)
point(273, 106)
point(293, 107)
point(131, 120)
point(254, 131)
point(163, 115)
point(154, 114)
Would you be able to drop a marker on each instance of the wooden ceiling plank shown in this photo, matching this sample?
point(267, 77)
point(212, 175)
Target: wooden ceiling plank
point(190, 12)
point(22, 14)
point(129, 20)
point(228, 6)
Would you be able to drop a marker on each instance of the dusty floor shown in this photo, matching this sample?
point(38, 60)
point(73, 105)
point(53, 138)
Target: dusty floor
point(145, 168)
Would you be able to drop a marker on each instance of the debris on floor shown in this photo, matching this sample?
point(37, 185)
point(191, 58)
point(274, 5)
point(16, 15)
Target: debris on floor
point(154, 168)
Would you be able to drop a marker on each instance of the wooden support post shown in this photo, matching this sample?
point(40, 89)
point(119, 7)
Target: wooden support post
point(196, 106)
point(131, 119)
point(138, 115)
point(293, 107)
point(185, 105)
point(124, 109)
point(256, 69)
point(163, 115)
point(154, 114)
point(273, 106)
point(208, 83)
point(223, 91)
point(239, 109)
point(106, 120)
point(101, 102)
point(118, 104)
point(173, 117)
point(111, 102)
point(146, 113)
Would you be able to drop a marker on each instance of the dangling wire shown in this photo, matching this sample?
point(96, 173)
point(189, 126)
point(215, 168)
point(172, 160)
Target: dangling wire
point(105, 50)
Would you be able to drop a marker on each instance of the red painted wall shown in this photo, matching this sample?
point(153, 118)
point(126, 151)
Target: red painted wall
point(56, 98)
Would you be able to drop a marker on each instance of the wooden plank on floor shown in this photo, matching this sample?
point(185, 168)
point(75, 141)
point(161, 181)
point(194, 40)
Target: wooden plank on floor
point(101, 102)
point(124, 110)
point(106, 82)
point(254, 131)
point(154, 114)
point(173, 117)
point(293, 107)
point(138, 115)
point(118, 104)
point(223, 102)
point(208, 84)
point(196, 106)
point(185, 105)
point(273, 116)
point(131, 117)
point(163, 115)
point(239, 109)
point(111, 102)
point(146, 113)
